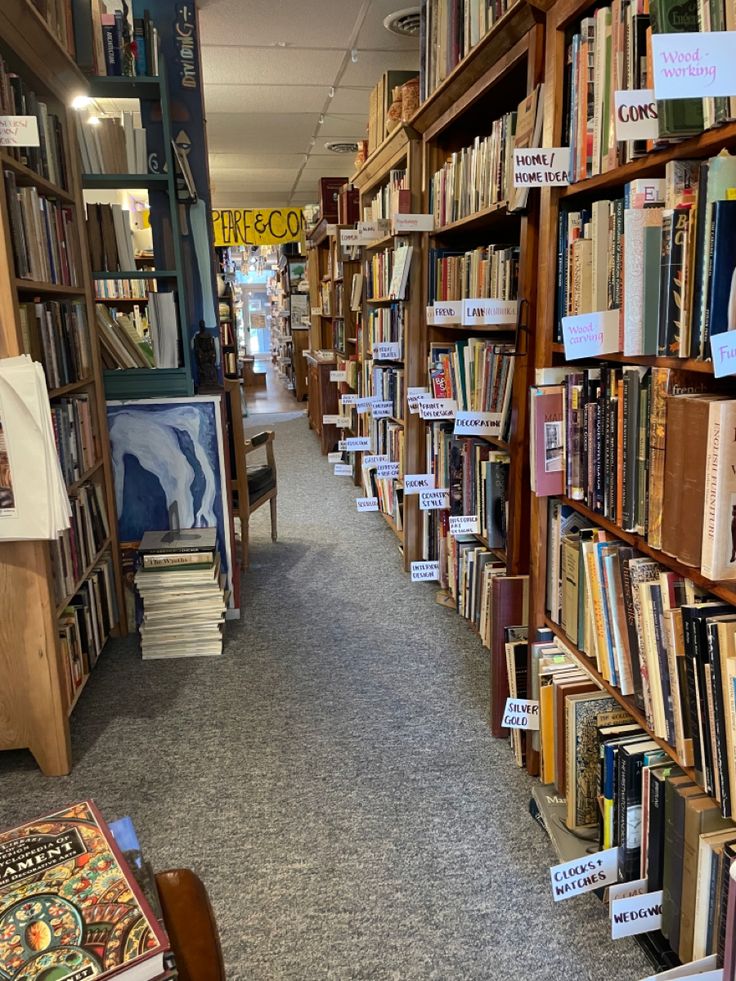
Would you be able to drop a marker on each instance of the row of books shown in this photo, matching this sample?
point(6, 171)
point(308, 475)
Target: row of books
point(113, 41)
point(123, 345)
point(386, 273)
point(477, 176)
point(76, 549)
point(385, 324)
point(58, 16)
point(477, 374)
point(448, 31)
point(487, 271)
point(624, 437)
point(393, 197)
point(387, 439)
point(339, 336)
point(390, 495)
point(112, 145)
point(85, 624)
point(386, 384)
point(124, 289)
point(110, 238)
point(667, 831)
point(653, 636)
point(48, 158)
point(43, 236)
point(56, 334)
point(74, 434)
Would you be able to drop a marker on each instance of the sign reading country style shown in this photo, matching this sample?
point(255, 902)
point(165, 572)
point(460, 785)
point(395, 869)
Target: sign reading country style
point(434, 500)
point(257, 226)
point(692, 65)
point(636, 114)
point(543, 167)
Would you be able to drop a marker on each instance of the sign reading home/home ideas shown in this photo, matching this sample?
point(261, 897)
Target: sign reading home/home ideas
point(543, 167)
point(257, 226)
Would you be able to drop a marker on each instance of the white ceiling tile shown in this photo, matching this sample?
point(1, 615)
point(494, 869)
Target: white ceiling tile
point(350, 100)
point(243, 132)
point(343, 127)
point(265, 98)
point(231, 65)
point(255, 160)
point(371, 65)
point(310, 23)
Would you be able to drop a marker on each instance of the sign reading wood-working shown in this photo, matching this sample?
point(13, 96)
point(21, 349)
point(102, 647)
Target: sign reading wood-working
point(257, 226)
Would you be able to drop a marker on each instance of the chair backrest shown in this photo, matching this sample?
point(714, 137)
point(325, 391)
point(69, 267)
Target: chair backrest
point(190, 924)
point(237, 431)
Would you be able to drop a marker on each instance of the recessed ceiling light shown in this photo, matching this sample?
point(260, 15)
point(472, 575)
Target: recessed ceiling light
point(404, 22)
point(342, 146)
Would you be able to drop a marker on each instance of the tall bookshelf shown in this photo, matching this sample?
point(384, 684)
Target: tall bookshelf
point(34, 700)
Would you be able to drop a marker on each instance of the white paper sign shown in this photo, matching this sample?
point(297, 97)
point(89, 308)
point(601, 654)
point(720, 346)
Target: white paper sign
point(589, 334)
point(622, 890)
point(376, 229)
point(342, 422)
point(19, 131)
point(447, 312)
point(334, 457)
point(437, 408)
point(387, 351)
point(546, 167)
point(636, 114)
point(425, 572)
point(413, 397)
point(723, 352)
point(364, 404)
point(332, 230)
point(703, 969)
point(429, 316)
point(478, 424)
point(338, 376)
point(381, 410)
point(358, 443)
point(694, 65)
point(316, 311)
point(584, 874)
point(367, 503)
point(521, 713)
point(464, 524)
point(343, 470)
point(401, 224)
point(636, 914)
point(349, 236)
point(489, 312)
point(416, 482)
point(348, 399)
point(372, 460)
point(342, 445)
point(388, 471)
point(434, 500)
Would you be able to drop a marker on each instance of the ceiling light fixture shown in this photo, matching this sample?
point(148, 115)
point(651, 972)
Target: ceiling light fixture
point(354, 55)
point(342, 146)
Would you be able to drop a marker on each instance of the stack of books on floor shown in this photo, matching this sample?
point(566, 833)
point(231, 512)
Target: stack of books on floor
point(181, 592)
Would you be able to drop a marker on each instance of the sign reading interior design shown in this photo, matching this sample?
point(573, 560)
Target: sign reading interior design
point(257, 226)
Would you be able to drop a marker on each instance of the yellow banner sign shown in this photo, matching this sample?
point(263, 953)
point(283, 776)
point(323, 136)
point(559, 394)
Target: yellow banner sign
point(257, 226)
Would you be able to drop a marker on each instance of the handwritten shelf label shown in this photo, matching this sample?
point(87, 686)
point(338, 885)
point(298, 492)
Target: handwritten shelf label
point(478, 424)
point(695, 975)
point(366, 503)
point(349, 236)
point(343, 470)
point(389, 471)
point(546, 167)
point(694, 65)
point(414, 397)
point(332, 230)
point(589, 334)
point(723, 351)
point(636, 114)
point(622, 890)
point(374, 459)
point(429, 316)
point(416, 482)
point(387, 351)
point(464, 524)
point(447, 312)
point(348, 399)
point(489, 312)
point(342, 445)
point(584, 874)
point(437, 408)
point(521, 713)
point(381, 410)
point(338, 376)
point(334, 457)
point(425, 572)
point(376, 229)
point(404, 223)
point(363, 404)
point(19, 131)
point(636, 914)
point(316, 311)
point(358, 443)
point(434, 500)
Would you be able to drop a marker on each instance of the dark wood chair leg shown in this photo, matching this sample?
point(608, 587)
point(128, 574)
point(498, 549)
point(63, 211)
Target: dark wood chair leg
point(272, 505)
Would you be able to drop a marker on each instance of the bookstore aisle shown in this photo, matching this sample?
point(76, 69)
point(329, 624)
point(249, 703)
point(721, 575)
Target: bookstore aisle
point(332, 778)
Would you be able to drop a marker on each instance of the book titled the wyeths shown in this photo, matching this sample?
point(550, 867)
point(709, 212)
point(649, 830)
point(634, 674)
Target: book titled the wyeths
point(69, 906)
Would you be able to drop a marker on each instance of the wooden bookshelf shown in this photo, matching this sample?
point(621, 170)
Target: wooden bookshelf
point(34, 707)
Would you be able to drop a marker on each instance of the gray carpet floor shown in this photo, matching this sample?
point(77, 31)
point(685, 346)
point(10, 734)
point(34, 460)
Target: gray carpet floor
point(332, 777)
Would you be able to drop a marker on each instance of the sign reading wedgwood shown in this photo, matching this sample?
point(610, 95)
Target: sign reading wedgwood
point(723, 351)
point(358, 443)
point(411, 223)
point(437, 408)
point(416, 482)
point(546, 167)
point(636, 114)
point(521, 713)
point(343, 470)
point(425, 571)
point(387, 351)
point(584, 874)
point(636, 914)
point(338, 376)
point(464, 524)
point(257, 226)
point(366, 503)
point(19, 131)
point(694, 65)
point(589, 334)
point(489, 312)
point(478, 424)
point(434, 500)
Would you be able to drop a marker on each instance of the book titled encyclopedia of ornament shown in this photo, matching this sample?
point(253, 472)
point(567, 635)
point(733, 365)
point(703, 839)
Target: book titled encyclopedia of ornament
point(69, 907)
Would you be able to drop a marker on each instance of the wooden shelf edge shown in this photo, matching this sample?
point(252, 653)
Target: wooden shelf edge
point(71, 488)
point(54, 289)
point(478, 219)
point(60, 607)
point(399, 532)
point(31, 177)
point(76, 386)
point(379, 161)
point(649, 360)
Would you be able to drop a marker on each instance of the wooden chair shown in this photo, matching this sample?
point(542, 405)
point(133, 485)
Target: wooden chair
point(190, 924)
point(255, 485)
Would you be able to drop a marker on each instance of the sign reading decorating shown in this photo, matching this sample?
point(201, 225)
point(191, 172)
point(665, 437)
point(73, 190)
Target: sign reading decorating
point(584, 874)
point(478, 424)
point(19, 131)
point(416, 482)
point(434, 500)
point(257, 226)
point(425, 572)
point(636, 114)
point(546, 167)
point(589, 334)
point(694, 65)
point(464, 524)
point(521, 713)
point(366, 503)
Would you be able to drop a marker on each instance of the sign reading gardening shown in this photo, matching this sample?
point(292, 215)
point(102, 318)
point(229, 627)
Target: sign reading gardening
point(257, 226)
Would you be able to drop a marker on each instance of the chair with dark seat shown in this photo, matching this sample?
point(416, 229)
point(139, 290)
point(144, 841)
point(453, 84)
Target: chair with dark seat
point(253, 486)
point(190, 924)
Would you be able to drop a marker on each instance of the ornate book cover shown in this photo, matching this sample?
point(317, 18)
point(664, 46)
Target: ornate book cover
point(69, 907)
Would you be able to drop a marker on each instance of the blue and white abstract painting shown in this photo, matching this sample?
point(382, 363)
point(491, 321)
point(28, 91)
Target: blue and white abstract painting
point(170, 452)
